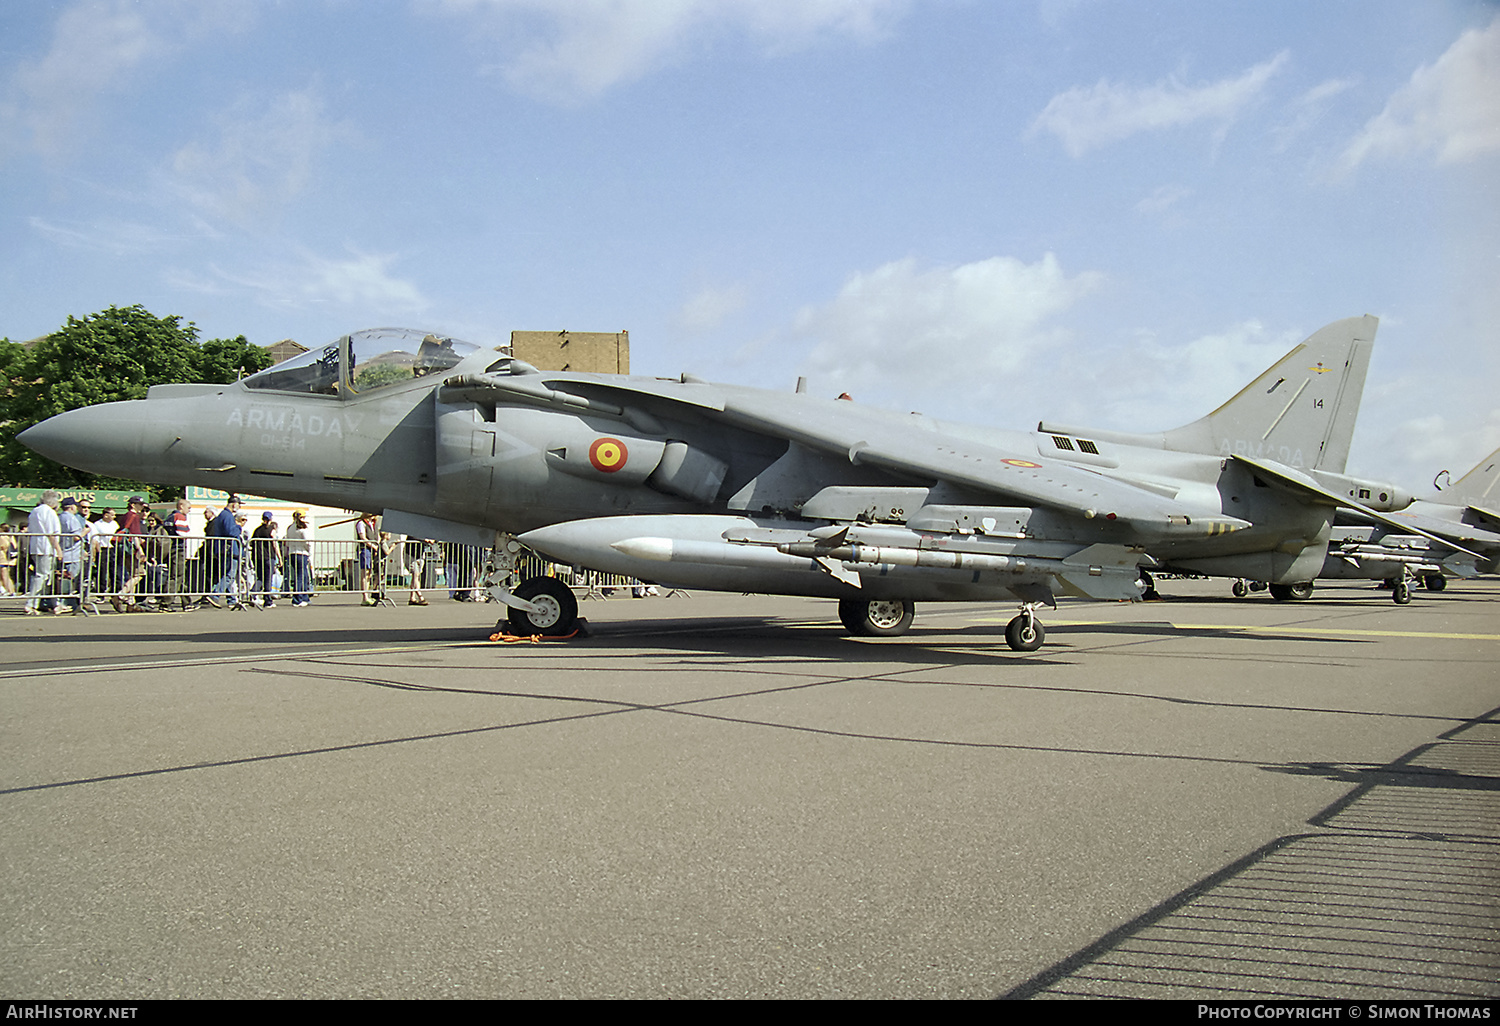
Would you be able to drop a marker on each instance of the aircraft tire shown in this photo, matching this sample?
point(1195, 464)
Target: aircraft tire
point(1239, 589)
point(1434, 582)
point(558, 608)
point(884, 618)
point(1025, 634)
point(1401, 593)
point(1149, 592)
point(1292, 592)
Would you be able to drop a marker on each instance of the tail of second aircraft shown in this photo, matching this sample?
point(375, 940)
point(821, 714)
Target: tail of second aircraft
point(1479, 487)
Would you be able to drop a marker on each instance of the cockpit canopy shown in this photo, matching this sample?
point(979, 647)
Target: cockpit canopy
point(363, 362)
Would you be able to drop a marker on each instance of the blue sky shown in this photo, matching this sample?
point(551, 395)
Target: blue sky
point(1101, 212)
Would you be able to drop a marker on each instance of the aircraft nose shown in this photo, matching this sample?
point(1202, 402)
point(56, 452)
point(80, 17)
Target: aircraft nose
point(100, 439)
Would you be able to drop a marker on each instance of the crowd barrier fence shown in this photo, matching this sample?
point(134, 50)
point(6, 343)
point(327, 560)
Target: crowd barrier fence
point(149, 569)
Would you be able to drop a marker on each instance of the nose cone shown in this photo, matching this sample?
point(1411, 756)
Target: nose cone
point(104, 439)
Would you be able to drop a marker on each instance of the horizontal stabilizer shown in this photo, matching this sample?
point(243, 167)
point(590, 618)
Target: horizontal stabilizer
point(1490, 518)
point(1317, 494)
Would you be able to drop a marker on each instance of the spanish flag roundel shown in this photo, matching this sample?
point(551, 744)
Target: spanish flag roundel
point(608, 455)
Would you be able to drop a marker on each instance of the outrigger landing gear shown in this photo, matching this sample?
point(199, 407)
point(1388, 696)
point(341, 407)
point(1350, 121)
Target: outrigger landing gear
point(1400, 590)
point(1025, 633)
point(883, 618)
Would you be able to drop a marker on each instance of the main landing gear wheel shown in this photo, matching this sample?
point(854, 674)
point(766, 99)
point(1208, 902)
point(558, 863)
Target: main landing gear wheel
point(1292, 592)
point(1025, 633)
point(1434, 582)
point(557, 609)
point(883, 618)
point(1149, 593)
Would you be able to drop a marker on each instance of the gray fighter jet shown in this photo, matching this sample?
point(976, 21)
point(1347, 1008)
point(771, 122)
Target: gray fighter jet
point(719, 487)
point(1465, 515)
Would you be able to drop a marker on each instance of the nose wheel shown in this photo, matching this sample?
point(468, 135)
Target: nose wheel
point(1025, 633)
point(555, 608)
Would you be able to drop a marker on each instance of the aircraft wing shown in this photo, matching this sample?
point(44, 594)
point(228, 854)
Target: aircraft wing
point(912, 447)
point(583, 393)
point(1314, 492)
point(909, 446)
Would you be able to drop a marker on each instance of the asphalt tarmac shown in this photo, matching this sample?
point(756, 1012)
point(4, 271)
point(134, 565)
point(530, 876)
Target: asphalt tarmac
point(721, 796)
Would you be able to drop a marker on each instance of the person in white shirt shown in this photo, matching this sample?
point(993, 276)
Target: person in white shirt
point(45, 547)
point(102, 551)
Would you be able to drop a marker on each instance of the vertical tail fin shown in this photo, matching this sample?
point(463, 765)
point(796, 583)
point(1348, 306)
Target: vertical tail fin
point(1479, 487)
point(1300, 412)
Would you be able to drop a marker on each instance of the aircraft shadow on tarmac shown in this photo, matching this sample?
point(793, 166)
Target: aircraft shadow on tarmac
point(745, 649)
point(593, 705)
point(285, 638)
point(727, 636)
point(926, 636)
point(1321, 598)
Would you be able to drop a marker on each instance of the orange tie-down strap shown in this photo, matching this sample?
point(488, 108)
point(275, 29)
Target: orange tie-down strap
point(534, 639)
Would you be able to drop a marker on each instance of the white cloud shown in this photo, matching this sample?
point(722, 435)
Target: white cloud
point(997, 342)
point(94, 47)
point(1088, 118)
point(903, 331)
point(361, 282)
point(117, 236)
point(1450, 107)
point(97, 47)
point(1150, 385)
point(710, 309)
point(1408, 448)
point(261, 159)
point(1162, 200)
point(1406, 442)
point(571, 50)
point(1309, 109)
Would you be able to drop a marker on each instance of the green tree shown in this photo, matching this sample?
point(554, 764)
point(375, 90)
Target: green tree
point(221, 360)
point(105, 357)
